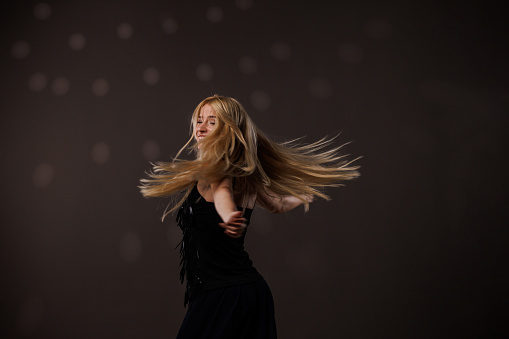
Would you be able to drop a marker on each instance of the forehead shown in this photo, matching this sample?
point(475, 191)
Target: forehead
point(206, 111)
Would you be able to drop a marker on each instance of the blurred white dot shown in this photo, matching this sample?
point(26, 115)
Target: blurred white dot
point(260, 100)
point(130, 247)
point(43, 175)
point(151, 150)
point(100, 87)
point(204, 72)
point(320, 88)
point(101, 153)
point(20, 49)
point(215, 14)
point(244, 4)
point(37, 82)
point(30, 316)
point(124, 31)
point(350, 53)
point(281, 51)
point(60, 86)
point(151, 76)
point(170, 26)
point(247, 65)
point(77, 41)
point(377, 29)
point(42, 11)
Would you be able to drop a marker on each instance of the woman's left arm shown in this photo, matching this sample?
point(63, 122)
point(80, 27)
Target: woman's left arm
point(233, 222)
point(281, 204)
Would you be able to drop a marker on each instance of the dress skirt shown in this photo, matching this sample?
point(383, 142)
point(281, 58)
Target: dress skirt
point(243, 311)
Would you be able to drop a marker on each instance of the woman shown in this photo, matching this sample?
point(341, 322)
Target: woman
point(236, 166)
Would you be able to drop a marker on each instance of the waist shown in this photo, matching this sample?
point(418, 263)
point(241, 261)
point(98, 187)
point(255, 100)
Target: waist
point(233, 278)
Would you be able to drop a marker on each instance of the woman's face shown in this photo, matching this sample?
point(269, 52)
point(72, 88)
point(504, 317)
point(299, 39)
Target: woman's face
point(205, 122)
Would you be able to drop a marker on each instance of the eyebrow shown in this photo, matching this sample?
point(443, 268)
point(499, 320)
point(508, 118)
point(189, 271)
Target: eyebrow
point(210, 116)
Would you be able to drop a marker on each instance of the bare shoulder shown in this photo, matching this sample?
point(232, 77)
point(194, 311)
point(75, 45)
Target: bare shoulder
point(225, 183)
point(225, 186)
point(208, 191)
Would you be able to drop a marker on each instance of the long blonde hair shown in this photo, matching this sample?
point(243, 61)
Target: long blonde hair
point(236, 148)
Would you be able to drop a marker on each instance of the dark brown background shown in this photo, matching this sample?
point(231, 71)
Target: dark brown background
point(413, 249)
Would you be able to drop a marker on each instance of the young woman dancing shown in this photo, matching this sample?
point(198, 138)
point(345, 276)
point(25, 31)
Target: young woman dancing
point(236, 167)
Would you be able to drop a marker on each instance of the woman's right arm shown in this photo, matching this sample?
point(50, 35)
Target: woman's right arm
point(233, 222)
point(281, 204)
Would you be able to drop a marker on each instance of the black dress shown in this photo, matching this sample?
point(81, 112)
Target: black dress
point(227, 297)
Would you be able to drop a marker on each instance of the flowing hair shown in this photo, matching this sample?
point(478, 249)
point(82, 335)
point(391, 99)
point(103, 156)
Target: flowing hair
point(236, 148)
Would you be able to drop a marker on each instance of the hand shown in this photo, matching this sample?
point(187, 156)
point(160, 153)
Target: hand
point(309, 198)
point(235, 226)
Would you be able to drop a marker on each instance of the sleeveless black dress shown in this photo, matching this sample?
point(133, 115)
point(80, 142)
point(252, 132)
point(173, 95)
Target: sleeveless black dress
point(227, 297)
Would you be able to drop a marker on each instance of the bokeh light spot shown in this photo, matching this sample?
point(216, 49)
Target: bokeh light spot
point(37, 82)
point(20, 49)
point(77, 41)
point(378, 29)
point(247, 65)
point(60, 86)
point(350, 53)
point(281, 51)
point(42, 11)
point(30, 316)
point(204, 72)
point(244, 4)
point(100, 87)
point(151, 150)
point(320, 88)
point(260, 100)
point(130, 247)
point(215, 14)
point(124, 31)
point(170, 26)
point(151, 76)
point(43, 175)
point(101, 153)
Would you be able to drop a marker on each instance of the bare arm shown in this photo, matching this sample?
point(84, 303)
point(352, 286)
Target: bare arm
point(233, 222)
point(281, 204)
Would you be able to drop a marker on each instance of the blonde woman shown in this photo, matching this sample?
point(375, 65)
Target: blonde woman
point(236, 167)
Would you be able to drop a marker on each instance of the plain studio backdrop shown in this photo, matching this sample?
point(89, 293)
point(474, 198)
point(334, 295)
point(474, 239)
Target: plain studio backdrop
point(92, 91)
